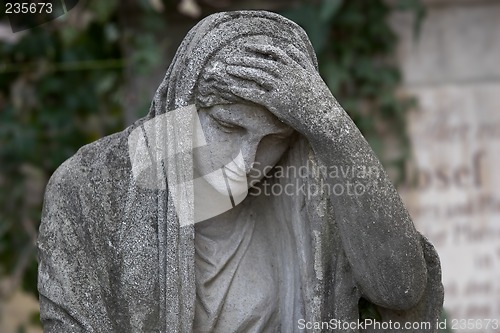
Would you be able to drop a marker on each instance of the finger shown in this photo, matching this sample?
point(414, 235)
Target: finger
point(206, 88)
point(269, 50)
point(210, 77)
point(269, 66)
point(250, 94)
point(214, 73)
point(209, 80)
point(240, 82)
point(206, 100)
point(217, 93)
point(259, 76)
point(225, 93)
point(298, 56)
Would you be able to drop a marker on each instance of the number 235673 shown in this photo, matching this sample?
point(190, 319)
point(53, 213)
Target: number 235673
point(28, 7)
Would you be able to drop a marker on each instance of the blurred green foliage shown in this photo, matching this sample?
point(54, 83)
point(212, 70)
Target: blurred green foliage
point(61, 87)
point(58, 91)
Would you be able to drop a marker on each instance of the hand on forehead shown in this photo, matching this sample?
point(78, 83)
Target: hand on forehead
point(255, 52)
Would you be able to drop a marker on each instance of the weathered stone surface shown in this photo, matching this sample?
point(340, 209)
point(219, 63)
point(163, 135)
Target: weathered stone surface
point(452, 47)
point(310, 226)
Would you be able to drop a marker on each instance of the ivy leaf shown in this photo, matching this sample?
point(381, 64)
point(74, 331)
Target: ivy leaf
point(146, 55)
point(307, 17)
point(103, 10)
point(328, 9)
point(106, 83)
point(418, 8)
point(69, 35)
point(333, 75)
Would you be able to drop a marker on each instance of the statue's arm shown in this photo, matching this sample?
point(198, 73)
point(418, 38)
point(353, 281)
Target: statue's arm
point(69, 290)
point(379, 238)
point(378, 235)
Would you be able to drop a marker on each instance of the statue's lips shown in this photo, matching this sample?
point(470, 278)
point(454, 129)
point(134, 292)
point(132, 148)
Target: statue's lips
point(235, 175)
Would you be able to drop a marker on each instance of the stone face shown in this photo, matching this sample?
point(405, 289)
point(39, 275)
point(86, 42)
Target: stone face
point(246, 200)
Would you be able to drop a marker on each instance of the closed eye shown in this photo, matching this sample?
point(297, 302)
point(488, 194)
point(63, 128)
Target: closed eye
point(278, 137)
point(225, 126)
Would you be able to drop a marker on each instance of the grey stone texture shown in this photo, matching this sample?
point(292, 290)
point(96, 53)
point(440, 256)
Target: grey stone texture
point(116, 256)
point(459, 44)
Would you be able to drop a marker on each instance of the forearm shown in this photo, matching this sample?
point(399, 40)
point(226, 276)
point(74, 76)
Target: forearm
point(378, 236)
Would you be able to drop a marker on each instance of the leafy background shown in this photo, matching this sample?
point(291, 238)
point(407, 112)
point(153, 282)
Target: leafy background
point(78, 78)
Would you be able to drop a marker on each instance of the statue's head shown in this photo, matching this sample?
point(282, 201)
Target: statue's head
point(244, 139)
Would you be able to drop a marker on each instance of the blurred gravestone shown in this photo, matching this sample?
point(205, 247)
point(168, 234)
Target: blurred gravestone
point(453, 71)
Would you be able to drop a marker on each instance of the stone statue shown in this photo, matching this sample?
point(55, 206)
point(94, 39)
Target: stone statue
point(245, 201)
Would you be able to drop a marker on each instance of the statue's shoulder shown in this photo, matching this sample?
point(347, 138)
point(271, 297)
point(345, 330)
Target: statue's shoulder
point(99, 159)
point(94, 177)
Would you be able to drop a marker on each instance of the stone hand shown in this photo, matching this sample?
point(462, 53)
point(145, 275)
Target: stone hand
point(286, 83)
